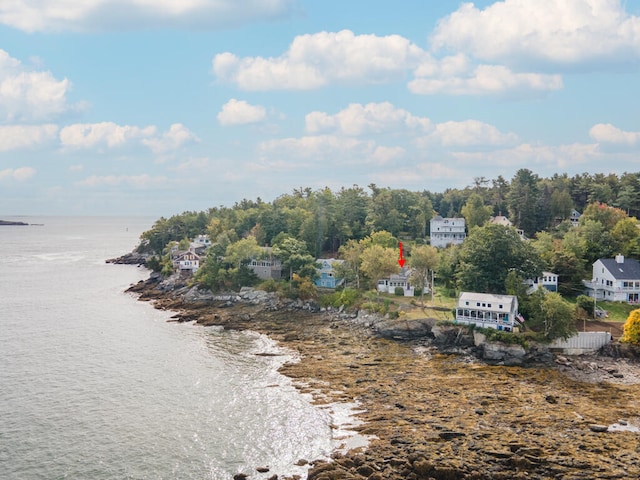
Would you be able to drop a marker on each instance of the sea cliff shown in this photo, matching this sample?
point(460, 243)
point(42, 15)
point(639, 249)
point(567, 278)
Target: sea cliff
point(435, 415)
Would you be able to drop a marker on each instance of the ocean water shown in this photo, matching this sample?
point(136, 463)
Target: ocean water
point(97, 385)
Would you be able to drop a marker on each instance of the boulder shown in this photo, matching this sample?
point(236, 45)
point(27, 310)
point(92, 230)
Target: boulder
point(498, 351)
point(405, 329)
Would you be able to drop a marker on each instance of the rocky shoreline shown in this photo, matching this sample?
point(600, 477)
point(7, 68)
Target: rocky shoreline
point(435, 415)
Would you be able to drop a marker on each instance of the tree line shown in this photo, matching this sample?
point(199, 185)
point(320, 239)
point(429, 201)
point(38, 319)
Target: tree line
point(325, 220)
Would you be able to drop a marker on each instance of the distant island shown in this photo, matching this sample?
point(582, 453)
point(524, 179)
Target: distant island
point(6, 222)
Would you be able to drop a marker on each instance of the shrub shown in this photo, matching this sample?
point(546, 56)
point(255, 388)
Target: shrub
point(398, 291)
point(347, 297)
point(631, 333)
point(585, 303)
point(269, 285)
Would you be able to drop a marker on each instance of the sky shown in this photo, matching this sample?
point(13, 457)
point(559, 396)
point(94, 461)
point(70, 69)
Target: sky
point(155, 107)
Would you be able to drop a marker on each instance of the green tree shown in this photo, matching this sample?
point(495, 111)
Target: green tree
point(597, 240)
point(523, 199)
point(211, 272)
point(550, 315)
point(475, 212)
point(561, 204)
point(424, 259)
point(295, 258)
point(351, 253)
point(625, 236)
point(379, 262)
point(631, 331)
point(604, 214)
point(242, 251)
point(382, 238)
point(487, 256)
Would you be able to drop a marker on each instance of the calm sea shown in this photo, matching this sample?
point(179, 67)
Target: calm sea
point(96, 385)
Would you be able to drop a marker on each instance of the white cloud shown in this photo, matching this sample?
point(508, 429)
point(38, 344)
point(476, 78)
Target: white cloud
point(76, 168)
point(27, 95)
point(416, 174)
point(104, 15)
point(197, 164)
point(358, 119)
point(480, 80)
point(239, 112)
point(547, 31)
point(24, 136)
point(315, 60)
point(551, 159)
point(171, 140)
point(468, 133)
point(143, 181)
point(109, 134)
point(607, 133)
point(321, 148)
point(19, 174)
point(386, 155)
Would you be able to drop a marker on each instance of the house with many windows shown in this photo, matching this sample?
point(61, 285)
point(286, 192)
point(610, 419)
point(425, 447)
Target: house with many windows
point(402, 279)
point(186, 262)
point(447, 231)
point(615, 280)
point(548, 281)
point(327, 276)
point(487, 310)
point(267, 266)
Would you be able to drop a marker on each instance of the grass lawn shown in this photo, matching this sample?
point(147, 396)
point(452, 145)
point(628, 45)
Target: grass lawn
point(617, 311)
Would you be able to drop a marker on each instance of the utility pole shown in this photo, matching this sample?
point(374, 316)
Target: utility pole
point(432, 287)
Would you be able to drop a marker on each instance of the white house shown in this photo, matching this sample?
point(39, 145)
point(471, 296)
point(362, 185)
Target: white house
point(488, 311)
point(548, 280)
point(447, 231)
point(615, 280)
point(200, 244)
point(389, 285)
point(186, 262)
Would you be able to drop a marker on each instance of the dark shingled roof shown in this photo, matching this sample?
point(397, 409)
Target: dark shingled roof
point(628, 270)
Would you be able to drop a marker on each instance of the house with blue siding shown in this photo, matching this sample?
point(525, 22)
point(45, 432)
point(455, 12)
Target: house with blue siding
point(326, 275)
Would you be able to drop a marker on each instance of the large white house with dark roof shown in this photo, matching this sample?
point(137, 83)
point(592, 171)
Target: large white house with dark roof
point(615, 280)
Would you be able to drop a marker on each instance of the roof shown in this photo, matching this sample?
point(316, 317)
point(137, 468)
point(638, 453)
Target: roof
point(486, 297)
point(501, 220)
point(629, 269)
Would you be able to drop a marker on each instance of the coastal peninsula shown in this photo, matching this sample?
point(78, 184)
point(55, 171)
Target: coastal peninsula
point(429, 414)
point(8, 223)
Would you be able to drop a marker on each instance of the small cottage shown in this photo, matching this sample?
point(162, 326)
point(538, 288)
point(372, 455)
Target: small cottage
point(402, 279)
point(327, 277)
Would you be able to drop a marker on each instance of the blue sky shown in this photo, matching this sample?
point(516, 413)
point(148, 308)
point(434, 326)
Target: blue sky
point(155, 107)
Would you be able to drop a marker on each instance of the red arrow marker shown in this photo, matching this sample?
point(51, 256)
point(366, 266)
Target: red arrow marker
point(401, 260)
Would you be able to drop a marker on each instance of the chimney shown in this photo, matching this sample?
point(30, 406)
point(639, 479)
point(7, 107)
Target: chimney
point(620, 258)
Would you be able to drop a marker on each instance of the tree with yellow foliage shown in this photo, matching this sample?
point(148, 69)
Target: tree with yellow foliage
point(632, 328)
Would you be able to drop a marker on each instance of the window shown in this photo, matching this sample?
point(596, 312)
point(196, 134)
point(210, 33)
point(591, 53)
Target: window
point(499, 306)
point(477, 304)
point(489, 305)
